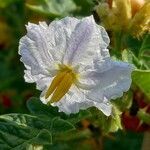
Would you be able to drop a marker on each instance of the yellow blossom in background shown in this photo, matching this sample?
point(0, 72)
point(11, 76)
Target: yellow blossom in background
point(141, 21)
point(115, 15)
point(125, 15)
point(122, 11)
point(136, 5)
point(105, 15)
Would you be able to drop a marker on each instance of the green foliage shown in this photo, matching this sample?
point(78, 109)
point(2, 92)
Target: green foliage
point(5, 3)
point(42, 128)
point(14, 136)
point(53, 8)
point(133, 44)
point(144, 116)
point(111, 123)
point(124, 102)
point(36, 107)
point(60, 125)
point(139, 51)
point(84, 7)
point(124, 141)
point(142, 79)
point(145, 51)
point(145, 47)
point(128, 56)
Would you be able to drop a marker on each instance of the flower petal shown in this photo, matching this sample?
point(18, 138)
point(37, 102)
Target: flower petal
point(44, 46)
point(34, 49)
point(60, 32)
point(111, 83)
point(42, 81)
point(82, 45)
point(87, 43)
point(75, 100)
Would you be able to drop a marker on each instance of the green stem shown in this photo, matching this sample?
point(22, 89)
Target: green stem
point(118, 41)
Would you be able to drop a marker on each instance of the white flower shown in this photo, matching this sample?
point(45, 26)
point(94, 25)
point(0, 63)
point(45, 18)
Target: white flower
point(71, 65)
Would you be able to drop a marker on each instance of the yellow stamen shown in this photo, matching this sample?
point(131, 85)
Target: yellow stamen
point(55, 83)
point(61, 83)
point(63, 88)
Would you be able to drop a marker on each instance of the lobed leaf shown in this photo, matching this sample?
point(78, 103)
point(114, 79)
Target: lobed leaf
point(53, 8)
point(19, 131)
point(142, 79)
point(59, 125)
point(36, 107)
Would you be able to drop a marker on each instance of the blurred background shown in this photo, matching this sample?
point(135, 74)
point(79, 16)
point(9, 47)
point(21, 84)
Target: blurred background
point(14, 92)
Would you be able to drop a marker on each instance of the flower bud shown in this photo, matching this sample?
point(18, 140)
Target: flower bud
point(105, 14)
point(122, 11)
point(136, 5)
point(115, 15)
point(141, 21)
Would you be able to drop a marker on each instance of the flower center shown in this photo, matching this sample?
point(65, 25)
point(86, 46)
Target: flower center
point(61, 83)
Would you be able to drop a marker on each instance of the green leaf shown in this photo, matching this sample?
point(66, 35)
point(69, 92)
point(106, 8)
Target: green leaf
point(124, 102)
point(43, 138)
point(55, 124)
point(5, 3)
point(25, 120)
point(34, 147)
point(53, 8)
point(141, 50)
point(142, 79)
point(75, 118)
point(145, 45)
point(84, 8)
point(133, 44)
point(74, 135)
point(145, 52)
point(20, 131)
point(60, 125)
point(113, 123)
point(128, 56)
point(15, 137)
point(23, 130)
point(36, 107)
point(143, 116)
point(146, 60)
